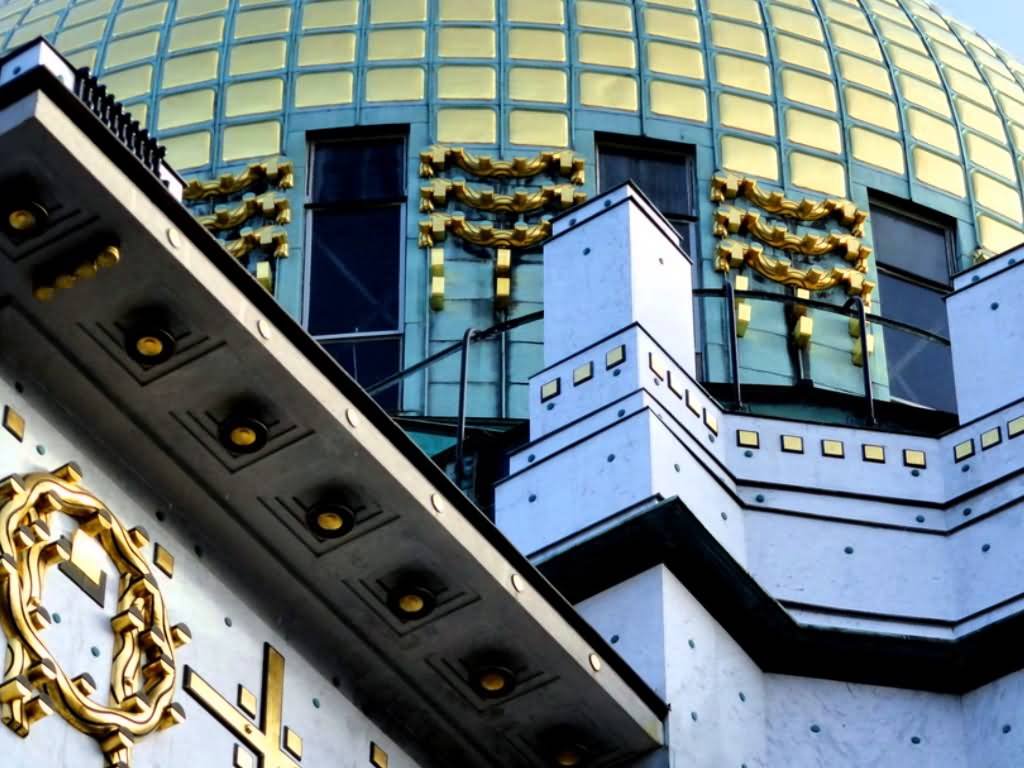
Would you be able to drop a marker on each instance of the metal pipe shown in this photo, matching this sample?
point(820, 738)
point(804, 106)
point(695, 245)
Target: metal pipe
point(460, 437)
point(442, 354)
point(734, 347)
point(869, 392)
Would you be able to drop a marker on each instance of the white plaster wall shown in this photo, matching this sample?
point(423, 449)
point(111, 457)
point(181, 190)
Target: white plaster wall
point(334, 734)
point(986, 328)
point(994, 723)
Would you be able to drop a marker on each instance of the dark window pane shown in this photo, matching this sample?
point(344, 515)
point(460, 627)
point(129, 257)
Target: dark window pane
point(913, 304)
point(370, 361)
point(355, 270)
point(910, 245)
point(920, 371)
point(359, 170)
point(686, 238)
point(664, 178)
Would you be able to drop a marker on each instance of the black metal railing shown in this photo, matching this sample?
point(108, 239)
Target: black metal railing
point(854, 309)
point(118, 120)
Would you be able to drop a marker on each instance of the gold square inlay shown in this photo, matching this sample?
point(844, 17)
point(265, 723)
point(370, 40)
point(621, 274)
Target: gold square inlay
point(293, 743)
point(617, 356)
point(833, 449)
point(915, 458)
point(675, 385)
point(14, 423)
point(378, 757)
point(692, 404)
point(991, 438)
point(710, 421)
point(748, 438)
point(1015, 427)
point(873, 453)
point(792, 444)
point(657, 365)
point(963, 450)
point(163, 560)
point(247, 701)
point(551, 389)
point(583, 373)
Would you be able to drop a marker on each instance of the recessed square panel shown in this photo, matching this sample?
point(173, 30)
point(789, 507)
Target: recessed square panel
point(873, 453)
point(657, 365)
point(963, 450)
point(692, 404)
point(582, 373)
point(991, 438)
point(792, 444)
point(550, 389)
point(14, 423)
point(833, 449)
point(1015, 427)
point(710, 421)
point(748, 438)
point(915, 458)
point(617, 356)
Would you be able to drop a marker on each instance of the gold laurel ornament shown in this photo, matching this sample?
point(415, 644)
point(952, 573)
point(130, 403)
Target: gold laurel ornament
point(34, 685)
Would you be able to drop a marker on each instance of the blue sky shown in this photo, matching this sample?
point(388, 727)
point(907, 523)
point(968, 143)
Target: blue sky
point(1001, 21)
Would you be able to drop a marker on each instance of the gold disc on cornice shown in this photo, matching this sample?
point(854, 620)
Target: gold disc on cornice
point(34, 684)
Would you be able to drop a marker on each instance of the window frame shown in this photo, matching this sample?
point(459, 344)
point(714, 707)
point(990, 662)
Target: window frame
point(915, 213)
point(354, 136)
point(315, 140)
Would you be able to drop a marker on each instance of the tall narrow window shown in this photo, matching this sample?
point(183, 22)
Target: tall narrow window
point(663, 171)
point(914, 253)
point(355, 218)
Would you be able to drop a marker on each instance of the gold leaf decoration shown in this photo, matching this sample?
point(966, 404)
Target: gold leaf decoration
point(438, 192)
point(270, 238)
point(734, 255)
point(732, 221)
point(277, 173)
point(522, 235)
point(437, 158)
point(725, 186)
point(268, 205)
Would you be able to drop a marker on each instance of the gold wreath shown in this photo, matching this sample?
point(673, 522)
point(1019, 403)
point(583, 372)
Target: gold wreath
point(143, 672)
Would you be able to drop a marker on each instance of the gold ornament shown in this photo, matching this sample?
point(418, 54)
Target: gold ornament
point(522, 235)
point(725, 186)
point(566, 163)
point(34, 684)
point(277, 173)
point(268, 205)
point(438, 192)
point(734, 255)
point(732, 221)
point(274, 745)
point(270, 238)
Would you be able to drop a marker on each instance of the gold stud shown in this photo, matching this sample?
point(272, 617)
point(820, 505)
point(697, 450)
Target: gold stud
point(22, 220)
point(243, 437)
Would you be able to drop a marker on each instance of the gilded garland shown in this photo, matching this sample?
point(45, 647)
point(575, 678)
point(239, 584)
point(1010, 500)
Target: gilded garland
point(34, 684)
